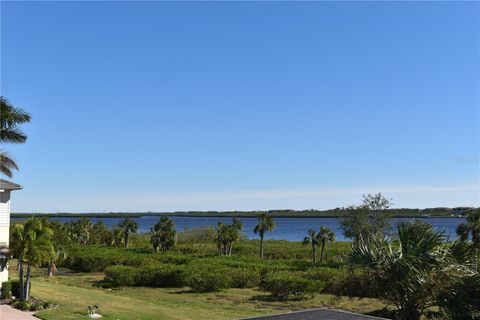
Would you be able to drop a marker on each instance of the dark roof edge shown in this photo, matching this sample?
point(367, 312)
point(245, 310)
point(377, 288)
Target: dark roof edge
point(7, 185)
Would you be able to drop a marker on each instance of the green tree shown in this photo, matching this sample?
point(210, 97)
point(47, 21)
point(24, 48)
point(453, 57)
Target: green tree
point(18, 249)
point(80, 230)
point(58, 254)
point(117, 237)
point(163, 235)
point(325, 235)
point(312, 239)
point(100, 234)
point(369, 218)
point(227, 235)
point(7, 164)
point(31, 244)
point(128, 226)
point(471, 229)
point(411, 273)
point(265, 224)
point(10, 119)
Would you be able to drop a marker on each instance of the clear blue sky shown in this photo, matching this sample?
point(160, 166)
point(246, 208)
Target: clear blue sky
point(184, 106)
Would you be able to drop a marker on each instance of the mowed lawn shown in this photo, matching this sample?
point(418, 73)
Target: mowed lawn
point(73, 292)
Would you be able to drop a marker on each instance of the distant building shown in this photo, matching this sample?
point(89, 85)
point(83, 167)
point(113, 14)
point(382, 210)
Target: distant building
point(5, 188)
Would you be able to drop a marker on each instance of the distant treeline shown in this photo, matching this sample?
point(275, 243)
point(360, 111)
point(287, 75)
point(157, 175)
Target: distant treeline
point(285, 213)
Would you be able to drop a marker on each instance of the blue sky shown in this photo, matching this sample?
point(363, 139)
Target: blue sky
point(255, 105)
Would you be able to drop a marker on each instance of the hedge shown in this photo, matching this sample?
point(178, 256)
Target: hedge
point(6, 290)
point(283, 285)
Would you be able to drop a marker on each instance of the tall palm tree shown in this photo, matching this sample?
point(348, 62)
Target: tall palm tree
point(325, 235)
point(31, 245)
point(18, 249)
point(471, 229)
point(312, 239)
point(265, 224)
point(10, 119)
point(128, 226)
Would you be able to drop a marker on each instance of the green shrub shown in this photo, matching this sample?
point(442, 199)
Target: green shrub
point(16, 288)
point(120, 275)
point(6, 290)
point(22, 305)
point(161, 276)
point(197, 235)
point(244, 278)
point(36, 306)
point(209, 279)
point(283, 285)
point(333, 278)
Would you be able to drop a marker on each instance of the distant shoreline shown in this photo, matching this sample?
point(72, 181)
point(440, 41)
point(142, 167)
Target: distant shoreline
point(335, 213)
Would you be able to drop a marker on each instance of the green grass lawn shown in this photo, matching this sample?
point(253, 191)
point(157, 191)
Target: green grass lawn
point(73, 292)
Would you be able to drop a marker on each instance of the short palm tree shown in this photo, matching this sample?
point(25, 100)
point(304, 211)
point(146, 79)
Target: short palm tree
point(265, 224)
point(163, 235)
point(80, 230)
point(128, 226)
point(10, 119)
point(58, 254)
point(406, 274)
point(325, 235)
point(312, 239)
point(117, 237)
point(471, 229)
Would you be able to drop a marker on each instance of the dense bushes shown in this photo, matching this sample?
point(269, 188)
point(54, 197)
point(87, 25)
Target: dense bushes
point(207, 279)
point(332, 278)
point(121, 275)
point(202, 270)
point(150, 276)
point(202, 278)
point(6, 290)
point(283, 285)
point(97, 258)
point(16, 288)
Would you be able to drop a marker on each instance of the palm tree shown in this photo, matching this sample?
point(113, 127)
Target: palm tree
point(58, 254)
point(312, 239)
point(30, 244)
point(117, 237)
point(265, 224)
point(406, 274)
point(163, 234)
point(7, 164)
point(80, 230)
point(220, 227)
point(10, 118)
point(325, 235)
point(471, 228)
point(128, 226)
point(18, 249)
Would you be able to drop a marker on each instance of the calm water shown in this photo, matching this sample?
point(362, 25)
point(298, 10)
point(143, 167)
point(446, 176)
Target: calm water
point(292, 229)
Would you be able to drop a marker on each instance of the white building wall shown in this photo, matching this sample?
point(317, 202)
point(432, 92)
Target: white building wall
point(4, 226)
